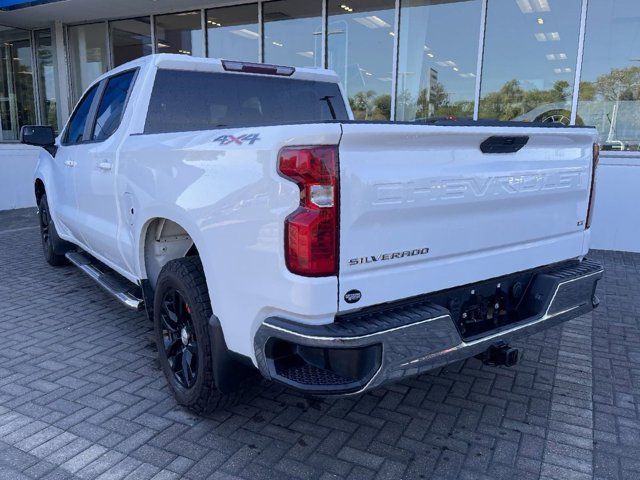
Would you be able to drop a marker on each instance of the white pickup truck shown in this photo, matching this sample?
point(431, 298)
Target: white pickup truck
point(263, 229)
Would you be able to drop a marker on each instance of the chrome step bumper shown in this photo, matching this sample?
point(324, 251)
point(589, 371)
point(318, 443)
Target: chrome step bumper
point(366, 349)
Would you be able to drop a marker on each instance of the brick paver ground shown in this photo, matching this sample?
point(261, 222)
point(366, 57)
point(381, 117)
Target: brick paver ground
point(82, 397)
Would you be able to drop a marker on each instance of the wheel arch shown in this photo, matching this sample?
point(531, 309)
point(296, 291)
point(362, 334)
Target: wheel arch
point(163, 239)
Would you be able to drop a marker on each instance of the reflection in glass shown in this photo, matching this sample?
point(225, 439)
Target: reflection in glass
point(180, 33)
point(232, 33)
point(530, 55)
point(609, 96)
point(293, 32)
point(17, 105)
point(360, 50)
point(437, 69)
point(87, 55)
point(130, 39)
point(46, 78)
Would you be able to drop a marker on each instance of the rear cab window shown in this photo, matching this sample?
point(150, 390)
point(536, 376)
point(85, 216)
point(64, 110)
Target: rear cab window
point(183, 101)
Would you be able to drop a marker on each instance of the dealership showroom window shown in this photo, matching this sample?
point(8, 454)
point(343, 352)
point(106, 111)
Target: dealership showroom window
point(572, 62)
point(409, 60)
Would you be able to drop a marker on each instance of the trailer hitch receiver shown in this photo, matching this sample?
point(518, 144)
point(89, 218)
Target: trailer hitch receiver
point(500, 353)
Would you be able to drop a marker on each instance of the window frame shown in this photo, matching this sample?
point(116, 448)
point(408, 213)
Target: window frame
point(101, 92)
point(93, 109)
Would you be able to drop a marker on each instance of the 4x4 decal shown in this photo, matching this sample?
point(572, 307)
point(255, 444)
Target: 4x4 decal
point(249, 138)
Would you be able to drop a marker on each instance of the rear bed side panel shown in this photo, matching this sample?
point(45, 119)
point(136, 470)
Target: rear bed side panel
point(464, 216)
point(233, 203)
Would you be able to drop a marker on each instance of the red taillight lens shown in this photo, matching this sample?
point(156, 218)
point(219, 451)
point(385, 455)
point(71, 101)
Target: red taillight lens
point(592, 195)
point(311, 232)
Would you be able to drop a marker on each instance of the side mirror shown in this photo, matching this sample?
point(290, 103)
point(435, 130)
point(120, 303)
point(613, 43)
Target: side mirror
point(38, 135)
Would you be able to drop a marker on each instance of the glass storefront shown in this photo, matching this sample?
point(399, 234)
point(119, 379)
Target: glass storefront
point(17, 102)
point(610, 84)
point(528, 51)
point(233, 32)
point(293, 32)
point(130, 39)
point(47, 81)
point(354, 32)
point(530, 55)
point(180, 33)
point(88, 56)
point(437, 70)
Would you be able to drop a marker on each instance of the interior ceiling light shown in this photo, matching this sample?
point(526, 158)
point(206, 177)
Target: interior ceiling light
point(306, 54)
point(372, 21)
point(540, 21)
point(243, 32)
point(530, 6)
point(541, 5)
point(277, 44)
point(347, 8)
point(525, 6)
point(550, 36)
point(431, 55)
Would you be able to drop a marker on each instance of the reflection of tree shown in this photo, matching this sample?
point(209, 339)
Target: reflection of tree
point(512, 100)
point(434, 101)
point(366, 106)
point(619, 84)
point(608, 95)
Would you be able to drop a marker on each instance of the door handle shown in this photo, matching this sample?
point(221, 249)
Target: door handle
point(104, 165)
point(69, 163)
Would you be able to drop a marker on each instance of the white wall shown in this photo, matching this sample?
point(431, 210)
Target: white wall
point(616, 220)
point(17, 164)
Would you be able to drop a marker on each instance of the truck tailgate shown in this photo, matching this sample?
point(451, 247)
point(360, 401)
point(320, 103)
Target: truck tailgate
point(423, 209)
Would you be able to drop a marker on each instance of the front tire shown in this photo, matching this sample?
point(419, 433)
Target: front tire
point(53, 246)
point(182, 310)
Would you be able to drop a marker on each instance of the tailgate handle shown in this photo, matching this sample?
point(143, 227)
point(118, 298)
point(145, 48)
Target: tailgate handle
point(500, 144)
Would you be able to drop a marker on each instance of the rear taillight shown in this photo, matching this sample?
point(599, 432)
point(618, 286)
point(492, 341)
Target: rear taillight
point(311, 232)
point(592, 194)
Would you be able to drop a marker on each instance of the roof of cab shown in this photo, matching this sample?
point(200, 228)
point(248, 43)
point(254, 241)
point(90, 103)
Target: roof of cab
point(187, 62)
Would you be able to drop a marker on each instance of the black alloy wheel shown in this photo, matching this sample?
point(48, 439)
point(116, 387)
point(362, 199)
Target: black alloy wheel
point(53, 246)
point(179, 338)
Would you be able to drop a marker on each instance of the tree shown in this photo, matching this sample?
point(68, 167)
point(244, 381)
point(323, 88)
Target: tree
point(362, 104)
point(587, 91)
point(619, 84)
point(383, 107)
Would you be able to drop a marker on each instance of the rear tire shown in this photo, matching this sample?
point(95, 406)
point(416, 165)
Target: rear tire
point(53, 246)
point(181, 314)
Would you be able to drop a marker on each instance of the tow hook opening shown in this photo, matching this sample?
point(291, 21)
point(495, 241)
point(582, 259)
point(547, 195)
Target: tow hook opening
point(500, 353)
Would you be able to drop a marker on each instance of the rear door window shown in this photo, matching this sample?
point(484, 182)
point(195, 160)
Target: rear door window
point(184, 101)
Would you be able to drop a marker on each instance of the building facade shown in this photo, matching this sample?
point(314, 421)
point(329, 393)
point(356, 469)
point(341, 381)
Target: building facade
point(570, 61)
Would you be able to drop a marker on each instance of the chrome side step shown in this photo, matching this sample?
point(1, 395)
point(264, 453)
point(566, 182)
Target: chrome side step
point(127, 293)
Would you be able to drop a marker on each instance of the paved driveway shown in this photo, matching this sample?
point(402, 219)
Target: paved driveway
point(81, 396)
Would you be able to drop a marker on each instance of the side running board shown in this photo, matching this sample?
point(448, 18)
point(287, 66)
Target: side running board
point(127, 293)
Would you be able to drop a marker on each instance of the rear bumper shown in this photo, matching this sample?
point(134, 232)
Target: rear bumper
point(372, 347)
